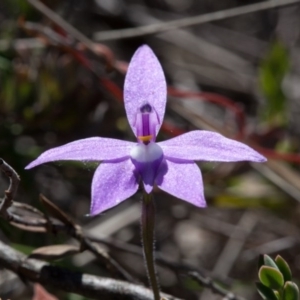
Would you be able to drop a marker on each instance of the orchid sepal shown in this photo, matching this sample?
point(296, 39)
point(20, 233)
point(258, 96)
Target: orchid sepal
point(169, 164)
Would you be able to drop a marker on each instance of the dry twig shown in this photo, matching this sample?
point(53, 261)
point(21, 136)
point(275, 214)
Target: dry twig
point(10, 193)
point(214, 287)
point(83, 284)
point(210, 17)
point(63, 223)
point(45, 224)
point(98, 49)
point(57, 19)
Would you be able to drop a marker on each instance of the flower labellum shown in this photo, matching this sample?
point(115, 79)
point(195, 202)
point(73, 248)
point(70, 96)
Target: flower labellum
point(169, 164)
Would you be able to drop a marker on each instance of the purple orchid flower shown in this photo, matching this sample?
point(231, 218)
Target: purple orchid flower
point(169, 165)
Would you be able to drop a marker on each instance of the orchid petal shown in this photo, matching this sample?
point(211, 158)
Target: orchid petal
point(183, 180)
point(144, 83)
point(208, 146)
point(113, 183)
point(90, 149)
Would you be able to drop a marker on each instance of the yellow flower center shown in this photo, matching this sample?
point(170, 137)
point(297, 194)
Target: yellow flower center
point(145, 138)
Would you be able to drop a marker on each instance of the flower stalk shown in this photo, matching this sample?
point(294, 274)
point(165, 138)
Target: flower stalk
point(147, 227)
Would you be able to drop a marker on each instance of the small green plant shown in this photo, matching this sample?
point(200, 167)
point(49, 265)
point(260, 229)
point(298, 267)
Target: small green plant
point(276, 279)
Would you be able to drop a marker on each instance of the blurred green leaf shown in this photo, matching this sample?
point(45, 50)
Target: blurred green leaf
point(5, 64)
point(8, 93)
point(277, 294)
point(271, 74)
point(284, 268)
point(285, 145)
point(268, 261)
point(24, 89)
point(228, 200)
point(19, 7)
point(22, 248)
point(75, 297)
point(271, 277)
point(265, 292)
point(290, 291)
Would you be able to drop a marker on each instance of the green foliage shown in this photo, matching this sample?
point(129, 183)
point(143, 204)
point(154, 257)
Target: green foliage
point(275, 279)
point(22, 248)
point(19, 7)
point(271, 74)
point(290, 291)
point(265, 292)
point(271, 277)
point(268, 261)
point(284, 268)
point(237, 201)
point(75, 297)
point(5, 64)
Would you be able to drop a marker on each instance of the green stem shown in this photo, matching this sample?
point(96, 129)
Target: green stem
point(147, 224)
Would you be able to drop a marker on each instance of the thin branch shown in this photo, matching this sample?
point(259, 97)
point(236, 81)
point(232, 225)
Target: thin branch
point(72, 45)
point(96, 48)
point(57, 19)
point(83, 284)
point(64, 223)
point(45, 224)
point(13, 177)
point(235, 244)
point(10, 193)
point(53, 226)
point(171, 25)
point(214, 287)
point(48, 34)
point(178, 267)
point(76, 231)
